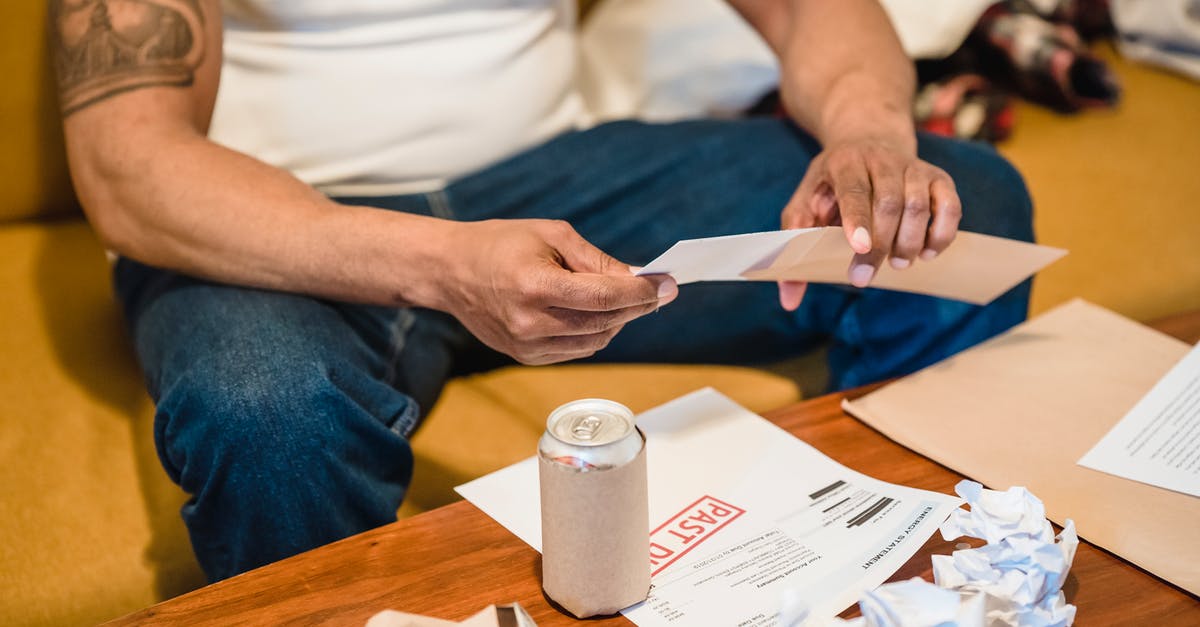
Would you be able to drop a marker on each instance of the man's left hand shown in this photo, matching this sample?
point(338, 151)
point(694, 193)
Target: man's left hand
point(890, 204)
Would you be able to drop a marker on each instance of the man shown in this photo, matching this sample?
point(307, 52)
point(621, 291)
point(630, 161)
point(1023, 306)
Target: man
point(383, 194)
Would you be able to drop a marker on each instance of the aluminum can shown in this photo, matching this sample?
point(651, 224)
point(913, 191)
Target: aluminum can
point(590, 434)
point(595, 512)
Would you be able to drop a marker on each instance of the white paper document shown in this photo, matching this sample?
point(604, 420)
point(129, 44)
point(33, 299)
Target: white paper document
point(975, 268)
point(740, 511)
point(1158, 441)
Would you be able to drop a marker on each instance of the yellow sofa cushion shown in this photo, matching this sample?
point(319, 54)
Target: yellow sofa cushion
point(31, 153)
point(88, 517)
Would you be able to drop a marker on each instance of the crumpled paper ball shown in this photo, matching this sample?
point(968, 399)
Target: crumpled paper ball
point(1021, 570)
point(1014, 580)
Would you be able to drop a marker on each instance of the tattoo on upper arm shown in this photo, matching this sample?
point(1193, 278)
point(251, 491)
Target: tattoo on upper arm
point(106, 47)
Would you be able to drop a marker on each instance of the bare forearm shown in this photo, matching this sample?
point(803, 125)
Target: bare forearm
point(844, 74)
point(157, 190)
point(846, 79)
point(171, 198)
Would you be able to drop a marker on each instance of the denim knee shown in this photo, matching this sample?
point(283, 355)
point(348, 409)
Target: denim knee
point(279, 459)
point(272, 418)
point(227, 415)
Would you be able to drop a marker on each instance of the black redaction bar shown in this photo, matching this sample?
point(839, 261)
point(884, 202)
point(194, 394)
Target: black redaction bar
point(865, 516)
point(827, 489)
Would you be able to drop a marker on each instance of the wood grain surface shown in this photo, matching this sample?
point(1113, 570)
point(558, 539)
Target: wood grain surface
point(454, 561)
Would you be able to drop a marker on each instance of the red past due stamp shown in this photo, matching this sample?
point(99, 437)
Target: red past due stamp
point(687, 529)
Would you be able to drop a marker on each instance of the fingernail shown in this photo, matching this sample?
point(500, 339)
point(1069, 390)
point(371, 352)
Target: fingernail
point(900, 263)
point(928, 254)
point(861, 240)
point(860, 275)
point(667, 288)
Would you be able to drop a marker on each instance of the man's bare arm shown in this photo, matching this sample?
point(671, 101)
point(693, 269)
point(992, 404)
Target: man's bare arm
point(845, 78)
point(102, 51)
point(137, 85)
point(844, 72)
point(138, 82)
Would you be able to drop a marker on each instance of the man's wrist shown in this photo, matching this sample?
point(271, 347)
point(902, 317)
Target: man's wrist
point(859, 108)
point(897, 137)
point(377, 256)
point(428, 251)
point(885, 121)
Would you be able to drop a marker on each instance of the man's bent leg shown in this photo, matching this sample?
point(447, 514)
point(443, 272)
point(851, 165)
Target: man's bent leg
point(273, 413)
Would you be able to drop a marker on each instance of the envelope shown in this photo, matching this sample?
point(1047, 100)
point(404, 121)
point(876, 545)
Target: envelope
point(976, 268)
point(1021, 408)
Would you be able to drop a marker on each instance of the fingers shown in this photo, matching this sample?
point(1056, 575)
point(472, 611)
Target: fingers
point(560, 322)
point(560, 349)
point(534, 328)
point(813, 203)
point(947, 212)
point(887, 205)
point(852, 188)
point(540, 335)
point(930, 218)
point(889, 209)
point(605, 293)
point(890, 206)
point(566, 347)
point(578, 254)
point(791, 293)
point(537, 291)
point(591, 280)
point(914, 221)
point(824, 207)
point(576, 300)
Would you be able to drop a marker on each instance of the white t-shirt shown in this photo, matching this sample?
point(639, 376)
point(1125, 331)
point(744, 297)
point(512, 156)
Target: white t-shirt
point(378, 97)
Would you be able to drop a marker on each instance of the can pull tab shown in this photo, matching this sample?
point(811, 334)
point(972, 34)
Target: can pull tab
point(586, 428)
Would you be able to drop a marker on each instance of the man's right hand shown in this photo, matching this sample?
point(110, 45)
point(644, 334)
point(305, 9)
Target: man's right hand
point(539, 292)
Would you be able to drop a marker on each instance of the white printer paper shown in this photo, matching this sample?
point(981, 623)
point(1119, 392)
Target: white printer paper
point(1158, 441)
point(740, 511)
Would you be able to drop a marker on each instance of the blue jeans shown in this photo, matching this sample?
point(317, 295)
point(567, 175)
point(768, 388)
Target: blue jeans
point(286, 417)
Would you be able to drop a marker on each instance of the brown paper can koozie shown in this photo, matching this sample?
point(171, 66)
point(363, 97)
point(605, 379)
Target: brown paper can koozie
point(595, 536)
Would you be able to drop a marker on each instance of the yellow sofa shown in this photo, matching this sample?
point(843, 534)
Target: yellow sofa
point(89, 520)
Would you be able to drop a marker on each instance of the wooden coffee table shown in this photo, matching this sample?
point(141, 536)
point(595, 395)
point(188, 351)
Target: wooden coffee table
point(454, 561)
